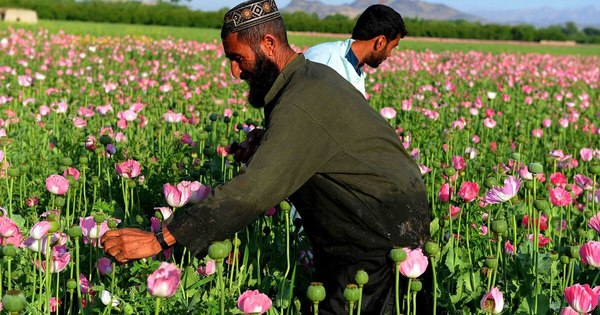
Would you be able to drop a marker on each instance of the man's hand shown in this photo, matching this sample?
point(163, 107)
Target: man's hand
point(128, 244)
point(242, 152)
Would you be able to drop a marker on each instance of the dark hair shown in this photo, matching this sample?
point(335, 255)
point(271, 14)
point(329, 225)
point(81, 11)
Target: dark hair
point(378, 20)
point(253, 35)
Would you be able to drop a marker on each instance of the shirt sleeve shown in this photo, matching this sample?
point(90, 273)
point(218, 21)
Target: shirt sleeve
point(293, 149)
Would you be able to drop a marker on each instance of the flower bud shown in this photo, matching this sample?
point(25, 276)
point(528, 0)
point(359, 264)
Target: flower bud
point(112, 223)
point(574, 252)
point(24, 168)
point(499, 226)
point(99, 217)
point(14, 301)
point(361, 277)
point(449, 171)
point(316, 292)
point(554, 255)
point(351, 293)
point(95, 180)
point(75, 231)
point(83, 160)
point(71, 284)
point(491, 263)
point(529, 184)
point(432, 248)
point(516, 156)
point(541, 205)
point(131, 183)
point(128, 309)
point(285, 206)
point(535, 168)
point(213, 117)
point(218, 250)
point(53, 227)
point(139, 219)
point(59, 201)
point(398, 255)
point(416, 286)
point(9, 250)
point(564, 259)
point(13, 171)
point(490, 182)
point(105, 140)
point(595, 169)
point(203, 136)
point(66, 161)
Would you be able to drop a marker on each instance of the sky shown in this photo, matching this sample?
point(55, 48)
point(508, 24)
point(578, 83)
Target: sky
point(463, 5)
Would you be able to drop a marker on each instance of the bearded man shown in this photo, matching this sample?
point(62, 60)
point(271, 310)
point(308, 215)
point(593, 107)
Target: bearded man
point(342, 166)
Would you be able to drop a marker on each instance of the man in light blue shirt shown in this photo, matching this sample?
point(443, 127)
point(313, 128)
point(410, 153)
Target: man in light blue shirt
point(377, 31)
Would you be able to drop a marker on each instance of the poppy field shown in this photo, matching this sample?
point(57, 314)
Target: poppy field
point(98, 133)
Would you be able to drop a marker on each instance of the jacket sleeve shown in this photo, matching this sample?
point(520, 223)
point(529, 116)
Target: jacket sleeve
point(293, 149)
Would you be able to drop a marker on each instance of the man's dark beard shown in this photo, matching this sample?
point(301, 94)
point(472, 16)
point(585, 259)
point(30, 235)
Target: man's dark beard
point(261, 79)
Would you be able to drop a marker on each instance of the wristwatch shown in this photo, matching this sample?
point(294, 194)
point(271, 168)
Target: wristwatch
point(161, 239)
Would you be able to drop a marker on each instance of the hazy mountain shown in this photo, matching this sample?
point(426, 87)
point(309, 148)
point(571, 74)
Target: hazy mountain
point(544, 16)
point(408, 8)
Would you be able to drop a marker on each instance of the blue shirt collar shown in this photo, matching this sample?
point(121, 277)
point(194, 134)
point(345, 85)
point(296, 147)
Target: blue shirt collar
point(353, 60)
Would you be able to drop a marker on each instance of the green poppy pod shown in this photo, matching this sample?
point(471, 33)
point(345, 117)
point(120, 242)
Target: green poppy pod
point(14, 301)
point(351, 293)
point(416, 286)
point(218, 250)
point(397, 255)
point(9, 250)
point(316, 292)
point(361, 277)
point(432, 248)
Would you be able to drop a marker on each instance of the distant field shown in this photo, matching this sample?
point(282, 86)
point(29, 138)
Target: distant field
point(299, 39)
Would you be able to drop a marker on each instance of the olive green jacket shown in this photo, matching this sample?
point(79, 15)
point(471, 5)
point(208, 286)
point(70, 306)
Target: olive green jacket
point(342, 165)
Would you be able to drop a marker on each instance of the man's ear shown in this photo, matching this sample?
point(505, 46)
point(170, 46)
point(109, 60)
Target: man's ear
point(268, 44)
point(379, 43)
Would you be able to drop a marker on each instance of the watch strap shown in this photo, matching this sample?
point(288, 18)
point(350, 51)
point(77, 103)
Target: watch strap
point(161, 239)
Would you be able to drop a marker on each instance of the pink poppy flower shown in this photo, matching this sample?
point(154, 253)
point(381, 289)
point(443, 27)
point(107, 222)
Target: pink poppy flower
point(543, 223)
point(59, 261)
point(468, 191)
point(424, 169)
point(84, 284)
point(558, 179)
point(104, 266)
point(590, 254)
point(415, 263)
point(387, 113)
point(54, 303)
point(172, 117)
point(560, 197)
point(444, 194)
point(458, 163)
point(71, 171)
point(489, 122)
point(40, 230)
point(164, 281)
point(581, 298)
point(493, 301)
point(594, 222)
point(537, 133)
point(177, 196)
point(57, 184)
point(9, 232)
point(569, 311)
point(499, 194)
point(509, 248)
point(546, 123)
point(586, 154)
point(583, 181)
point(128, 169)
point(542, 240)
point(454, 211)
point(208, 269)
point(253, 302)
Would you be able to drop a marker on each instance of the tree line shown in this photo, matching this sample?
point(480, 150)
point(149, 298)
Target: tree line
point(133, 12)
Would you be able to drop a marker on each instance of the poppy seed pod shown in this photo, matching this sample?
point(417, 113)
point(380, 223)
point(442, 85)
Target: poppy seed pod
point(432, 248)
point(14, 301)
point(416, 286)
point(218, 250)
point(71, 284)
point(499, 226)
point(398, 255)
point(66, 161)
point(9, 250)
point(535, 168)
point(361, 277)
point(75, 231)
point(316, 292)
point(351, 293)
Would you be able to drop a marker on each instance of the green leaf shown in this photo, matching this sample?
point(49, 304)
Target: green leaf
point(434, 226)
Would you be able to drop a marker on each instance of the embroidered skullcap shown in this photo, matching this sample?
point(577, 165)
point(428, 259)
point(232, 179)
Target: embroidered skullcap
point(250, 13)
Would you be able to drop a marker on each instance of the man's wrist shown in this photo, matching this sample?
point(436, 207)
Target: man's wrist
point(161, 239)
